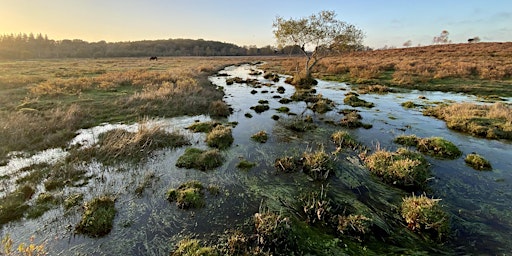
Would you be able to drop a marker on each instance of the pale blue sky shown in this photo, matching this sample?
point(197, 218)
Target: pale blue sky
point(386, 22)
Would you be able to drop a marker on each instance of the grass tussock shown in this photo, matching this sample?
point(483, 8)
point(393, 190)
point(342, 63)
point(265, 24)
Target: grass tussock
point(203, 126)
point(433, 146)
point(343, 139)
point(403, 168)
point(352, 119)
point(200, 159)
point(260, 137)
point(188, 195)
point(425, 216)
point(192, 247)
point(98, 217)
point(478, 162)
point(220, 137)
point(353, 100)
point(14, 205)
point(488, 121)
point(317, 164)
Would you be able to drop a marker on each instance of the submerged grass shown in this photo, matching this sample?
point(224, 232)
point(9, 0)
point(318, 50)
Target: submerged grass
point(119, 145)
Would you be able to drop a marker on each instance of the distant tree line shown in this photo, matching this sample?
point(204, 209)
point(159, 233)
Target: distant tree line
point(23, 46)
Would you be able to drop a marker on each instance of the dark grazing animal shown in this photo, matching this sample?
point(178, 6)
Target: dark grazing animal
point(153, 58)
point(471, 40)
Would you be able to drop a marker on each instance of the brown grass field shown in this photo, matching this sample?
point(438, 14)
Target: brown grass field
point(480, 69)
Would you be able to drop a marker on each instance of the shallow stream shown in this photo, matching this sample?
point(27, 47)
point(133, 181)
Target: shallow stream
point(147, 224)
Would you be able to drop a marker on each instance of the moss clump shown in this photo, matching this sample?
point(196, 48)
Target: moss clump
point(477, 162)
point(439, 147)
point(285, 101)
point(200, 159)
point(353, 100)
point(260, 137)
point(203, 126)
point(220, 137)
point(245, 165)
point(321, 105)
point(407, 140)
point(425, 215)
point(98, 217)
point(402, 168)
point(248, 115)
point(434, 146)
point(187, 195)
point(283, 109)
point(192, 247)
point(408, 104)
point(260, 108)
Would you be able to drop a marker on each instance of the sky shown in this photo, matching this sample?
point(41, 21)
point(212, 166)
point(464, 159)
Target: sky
point(385, 22)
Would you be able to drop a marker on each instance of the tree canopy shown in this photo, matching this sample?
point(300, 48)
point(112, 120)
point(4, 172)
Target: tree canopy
point(317, 36)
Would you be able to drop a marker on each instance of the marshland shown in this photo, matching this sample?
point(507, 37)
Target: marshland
point(401, 151)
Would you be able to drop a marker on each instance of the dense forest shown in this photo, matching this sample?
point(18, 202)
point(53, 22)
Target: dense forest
point(23, 46)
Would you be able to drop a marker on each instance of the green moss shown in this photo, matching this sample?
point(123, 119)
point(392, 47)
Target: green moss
point(200, 159)
point(402, 168)
point(187, 195)
point(260, 137)
point(439, 147)
point(477, 162)
point(203, 126)
point(98, 217)
point(220, 137)
point(283, 109)
point(354, 101)
point(424, 215)
point(407, 140)
point(434, 146)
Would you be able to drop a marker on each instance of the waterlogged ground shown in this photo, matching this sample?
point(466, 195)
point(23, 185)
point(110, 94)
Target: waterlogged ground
point(147, 224)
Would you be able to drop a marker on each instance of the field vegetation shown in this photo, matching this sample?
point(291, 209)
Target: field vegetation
point(479, 69)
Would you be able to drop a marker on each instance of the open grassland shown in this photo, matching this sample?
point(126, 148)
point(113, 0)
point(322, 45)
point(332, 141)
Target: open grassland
point(43, 102)
point(480, 69)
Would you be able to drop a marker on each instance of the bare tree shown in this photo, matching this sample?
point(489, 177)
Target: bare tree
point(316, 36)
point(407, 43)
point(442, 38)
